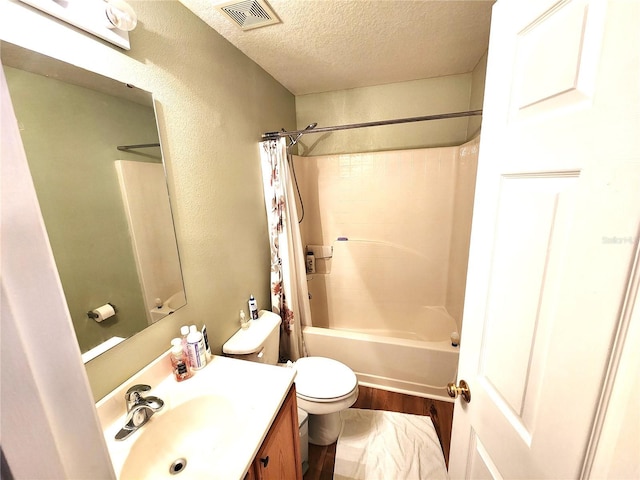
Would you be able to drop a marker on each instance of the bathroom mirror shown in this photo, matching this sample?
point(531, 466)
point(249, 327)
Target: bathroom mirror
point(93, 149)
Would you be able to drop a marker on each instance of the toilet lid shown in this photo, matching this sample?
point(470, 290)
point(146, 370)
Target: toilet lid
point(323, 378)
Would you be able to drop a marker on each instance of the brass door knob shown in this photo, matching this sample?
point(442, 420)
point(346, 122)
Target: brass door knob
point(461, 389)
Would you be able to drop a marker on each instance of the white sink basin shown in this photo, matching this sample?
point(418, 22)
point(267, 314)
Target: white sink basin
point(183, 442)
point(216, 421)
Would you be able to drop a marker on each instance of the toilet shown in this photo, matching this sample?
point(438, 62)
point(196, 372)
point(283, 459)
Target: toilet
point(324, 387)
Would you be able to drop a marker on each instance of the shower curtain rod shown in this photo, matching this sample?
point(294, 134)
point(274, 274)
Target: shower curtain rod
point(274, 135)
point(124, 148)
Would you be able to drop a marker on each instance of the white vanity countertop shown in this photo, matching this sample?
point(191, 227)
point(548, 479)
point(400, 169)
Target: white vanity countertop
point(256, 390)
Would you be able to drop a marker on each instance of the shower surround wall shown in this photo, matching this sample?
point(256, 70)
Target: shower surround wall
point(407, 216)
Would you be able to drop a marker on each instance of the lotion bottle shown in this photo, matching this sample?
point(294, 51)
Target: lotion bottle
point(205, 338)
point(195, 347)
point(253, 308)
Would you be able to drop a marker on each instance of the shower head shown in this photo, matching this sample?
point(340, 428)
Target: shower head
point(311, 126)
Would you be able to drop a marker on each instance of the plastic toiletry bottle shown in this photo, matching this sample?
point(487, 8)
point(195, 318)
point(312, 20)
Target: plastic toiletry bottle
point(205, 338)
point(311, 262)
point(244, 323)
point(179, 364)
point(253, 308)
point(196, 349)
point(184, 331)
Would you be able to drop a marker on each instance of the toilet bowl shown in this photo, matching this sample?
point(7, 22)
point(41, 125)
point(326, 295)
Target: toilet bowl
point(324, 387)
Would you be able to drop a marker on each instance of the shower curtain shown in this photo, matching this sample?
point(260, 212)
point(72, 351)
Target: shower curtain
point(289, 294)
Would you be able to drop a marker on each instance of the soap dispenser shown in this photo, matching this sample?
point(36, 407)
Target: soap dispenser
point(178, 362)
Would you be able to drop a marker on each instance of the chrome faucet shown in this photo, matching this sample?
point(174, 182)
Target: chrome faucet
point(139, 409)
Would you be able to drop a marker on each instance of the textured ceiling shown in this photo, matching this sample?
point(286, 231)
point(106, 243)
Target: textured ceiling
point(325, 45)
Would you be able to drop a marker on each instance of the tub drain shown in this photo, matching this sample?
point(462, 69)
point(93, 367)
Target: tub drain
point(178, 466)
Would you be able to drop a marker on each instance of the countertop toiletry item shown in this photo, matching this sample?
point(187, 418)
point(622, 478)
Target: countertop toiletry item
point(253, 308)
point(180, 366)
point(205, 338)
point(244, 323)
point(196, 349)
point(184, 331)
point(311, 262)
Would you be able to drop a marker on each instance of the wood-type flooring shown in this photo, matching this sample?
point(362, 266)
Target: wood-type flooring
point(322, 459)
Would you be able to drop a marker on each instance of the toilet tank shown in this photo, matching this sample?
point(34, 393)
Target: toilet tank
point(258, 343)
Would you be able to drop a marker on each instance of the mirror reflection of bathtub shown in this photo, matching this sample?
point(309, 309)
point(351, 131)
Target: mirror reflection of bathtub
point(144, 196)
point(173, 303)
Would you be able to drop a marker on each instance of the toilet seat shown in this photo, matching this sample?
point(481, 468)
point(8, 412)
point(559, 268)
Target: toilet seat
point(321, 379)
point(325, 400)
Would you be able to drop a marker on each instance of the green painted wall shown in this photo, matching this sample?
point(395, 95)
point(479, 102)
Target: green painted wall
point(477, 95)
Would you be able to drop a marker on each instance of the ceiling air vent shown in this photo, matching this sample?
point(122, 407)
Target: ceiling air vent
point(248, 14)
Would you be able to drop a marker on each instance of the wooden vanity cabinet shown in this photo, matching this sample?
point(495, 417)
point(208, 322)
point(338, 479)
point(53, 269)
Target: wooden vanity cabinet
point(279, 455)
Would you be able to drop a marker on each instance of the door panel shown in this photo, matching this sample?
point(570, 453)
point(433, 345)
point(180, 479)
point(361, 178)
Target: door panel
point(481, 467)
point(517, 290)
point(557, 57)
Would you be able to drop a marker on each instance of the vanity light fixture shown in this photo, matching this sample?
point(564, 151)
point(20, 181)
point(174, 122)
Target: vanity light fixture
point(110, 20)
point(121, 15)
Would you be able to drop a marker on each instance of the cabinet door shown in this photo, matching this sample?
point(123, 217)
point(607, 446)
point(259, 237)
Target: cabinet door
point(279, 456)
point(251, 474)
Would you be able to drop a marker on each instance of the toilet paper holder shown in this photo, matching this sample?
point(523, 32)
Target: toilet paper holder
point(94, 315)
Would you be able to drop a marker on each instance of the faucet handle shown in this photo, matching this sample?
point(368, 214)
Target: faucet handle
point(134, 392)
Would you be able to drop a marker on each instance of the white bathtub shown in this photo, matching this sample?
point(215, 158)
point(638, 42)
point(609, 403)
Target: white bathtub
point(418, 360)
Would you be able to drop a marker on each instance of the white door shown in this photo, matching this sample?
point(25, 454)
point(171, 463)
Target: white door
point(554, 235)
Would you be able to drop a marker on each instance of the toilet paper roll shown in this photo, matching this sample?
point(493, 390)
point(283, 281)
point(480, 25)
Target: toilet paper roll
point(103, 312)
